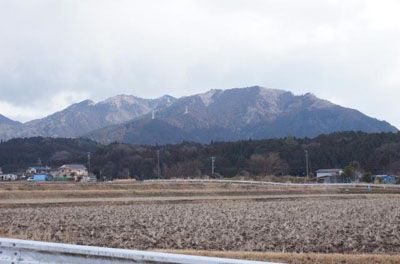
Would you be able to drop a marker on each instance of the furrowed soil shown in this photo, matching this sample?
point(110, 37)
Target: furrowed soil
point(221, 219)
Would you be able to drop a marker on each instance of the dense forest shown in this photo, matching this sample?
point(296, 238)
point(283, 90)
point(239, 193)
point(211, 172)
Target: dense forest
point(18, 154)
point(375, 153)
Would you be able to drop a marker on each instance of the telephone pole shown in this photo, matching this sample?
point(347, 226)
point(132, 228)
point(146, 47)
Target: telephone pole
point(88, 157)
point(213, 165)
point(307, 164)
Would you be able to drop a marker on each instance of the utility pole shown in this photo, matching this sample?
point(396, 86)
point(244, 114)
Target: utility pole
point(213, 165)
point(88, 157)
point(158, 164)
point(307, 164)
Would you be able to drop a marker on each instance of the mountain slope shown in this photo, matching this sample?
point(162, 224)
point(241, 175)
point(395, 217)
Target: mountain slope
point(6, 121)
point(8, 127)
point(235, 114)
point(86, 116)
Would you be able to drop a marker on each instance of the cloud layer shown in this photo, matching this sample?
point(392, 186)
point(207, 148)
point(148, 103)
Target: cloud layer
point(53, 53)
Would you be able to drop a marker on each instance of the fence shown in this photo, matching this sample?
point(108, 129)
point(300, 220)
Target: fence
point(284, 184)
point(14, 251)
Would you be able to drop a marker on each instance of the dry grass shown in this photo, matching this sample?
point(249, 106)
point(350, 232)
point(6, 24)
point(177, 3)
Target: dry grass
point(24, 190)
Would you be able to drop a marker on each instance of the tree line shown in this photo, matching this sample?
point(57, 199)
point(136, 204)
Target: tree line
point(354, 151)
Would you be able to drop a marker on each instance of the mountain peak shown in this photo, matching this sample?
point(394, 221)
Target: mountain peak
point(207, 97)
point(86, 102)
point(166, 99)
point(314, 102)
point(7, 121)
point(271, 90)
point(80, 105)
point(121, 99)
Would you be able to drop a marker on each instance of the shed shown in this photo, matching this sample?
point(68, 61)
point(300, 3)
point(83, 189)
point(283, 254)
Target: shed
point(384, 179)
point(330, 175)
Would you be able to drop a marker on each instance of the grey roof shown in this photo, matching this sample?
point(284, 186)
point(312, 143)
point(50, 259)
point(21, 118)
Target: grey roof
point(40, 168)
point(329, 170)
point(73, 167)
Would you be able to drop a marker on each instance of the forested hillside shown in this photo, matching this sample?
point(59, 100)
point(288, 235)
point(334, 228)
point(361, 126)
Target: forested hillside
point(18, 154)
point(375, 153)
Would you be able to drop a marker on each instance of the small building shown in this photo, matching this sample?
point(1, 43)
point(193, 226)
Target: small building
point(74, 171)
point(384, 179)
point(38, 170)
point(42, 177)
point(91, 178)
point(8, 177)
point(330, 176)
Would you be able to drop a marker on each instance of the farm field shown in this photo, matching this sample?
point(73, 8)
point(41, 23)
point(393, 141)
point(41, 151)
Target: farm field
point(326, 224)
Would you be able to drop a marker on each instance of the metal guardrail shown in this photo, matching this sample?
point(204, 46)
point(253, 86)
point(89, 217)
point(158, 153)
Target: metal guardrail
point(15, 251)
point(285, 184)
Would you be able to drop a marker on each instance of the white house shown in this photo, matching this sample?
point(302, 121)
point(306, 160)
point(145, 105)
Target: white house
point(76, 171)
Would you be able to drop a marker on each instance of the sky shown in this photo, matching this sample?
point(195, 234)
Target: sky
point(57, 52)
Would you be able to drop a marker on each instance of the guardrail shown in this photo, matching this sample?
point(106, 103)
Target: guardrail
point(286, 184)
point(15, 251)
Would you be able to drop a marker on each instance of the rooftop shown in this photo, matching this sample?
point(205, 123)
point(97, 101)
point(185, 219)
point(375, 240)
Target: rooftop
point(73, 167)
point(329, 170)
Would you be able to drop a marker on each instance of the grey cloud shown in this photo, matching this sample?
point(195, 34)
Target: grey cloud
point(341, 50)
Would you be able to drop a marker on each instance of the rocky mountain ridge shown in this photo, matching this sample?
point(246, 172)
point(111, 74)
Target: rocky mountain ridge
point(223, 115)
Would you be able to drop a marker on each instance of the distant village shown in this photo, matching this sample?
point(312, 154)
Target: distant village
point(333, 176)
point(80, 173)
point(67, 172)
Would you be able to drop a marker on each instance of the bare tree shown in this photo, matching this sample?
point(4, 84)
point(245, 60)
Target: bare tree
point(268, 164)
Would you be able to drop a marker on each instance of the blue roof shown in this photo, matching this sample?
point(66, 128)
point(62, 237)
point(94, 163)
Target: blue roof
point(42, 177)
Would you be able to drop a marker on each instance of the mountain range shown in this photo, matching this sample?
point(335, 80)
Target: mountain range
point(219, 115)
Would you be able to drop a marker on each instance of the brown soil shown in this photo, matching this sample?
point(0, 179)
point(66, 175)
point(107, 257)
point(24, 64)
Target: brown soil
point(368, 225)
point(241, 221)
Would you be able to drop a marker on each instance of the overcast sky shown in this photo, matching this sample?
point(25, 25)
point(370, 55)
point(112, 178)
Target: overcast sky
point(54, 52)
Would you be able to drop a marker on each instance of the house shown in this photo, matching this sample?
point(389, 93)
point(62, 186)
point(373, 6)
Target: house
point(38, 170)
point(384, 179)
point(75, 171)
point(42, 177)
point(330, 176)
